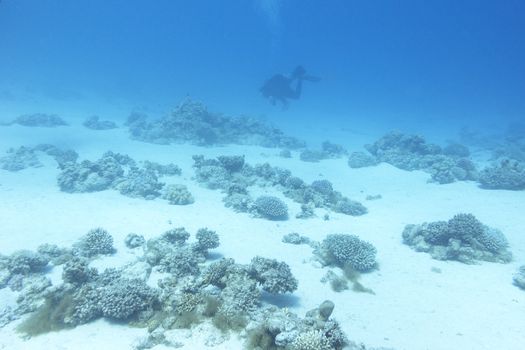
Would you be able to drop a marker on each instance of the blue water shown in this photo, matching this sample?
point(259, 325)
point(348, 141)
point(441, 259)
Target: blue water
point(391, 63)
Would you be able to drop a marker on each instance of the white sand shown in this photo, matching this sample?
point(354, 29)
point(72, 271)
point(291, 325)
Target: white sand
point(463, 307)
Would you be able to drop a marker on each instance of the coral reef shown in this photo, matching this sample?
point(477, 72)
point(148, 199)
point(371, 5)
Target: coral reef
point(232, 164)
point(519, 277)
point(161, 169)
point(328, 151)
point(295, 238)
point(222, 293)
point(19, 159)
point(96, 242)
point(275, 329)
point(77, 271)
point(55, 254)
point(312, 156)
point(120, 172)
point(412, 152)
point(177, 194)
point(506, 175)
point(463, 238)
point(206, 239)
point(177, 236)
point(332, 150)
point(140, 183)
point(94, 123)
point(39, 120)
point(313, 339)
point(25, 157)
point(361, 160)
point(24, 262)
point(349, 207)
point(455, 149)
point(271, 208)
point(89, 176)
point(101, 295)
point(134, 240)
point(274, 276)
point(61, 156)
point(124, 298)
point(192, 122)
point(320, 194)
point(307, 211)
point(23, 273)
point(347, 250)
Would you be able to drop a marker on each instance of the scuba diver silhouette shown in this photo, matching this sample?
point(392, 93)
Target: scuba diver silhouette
point(279, 87)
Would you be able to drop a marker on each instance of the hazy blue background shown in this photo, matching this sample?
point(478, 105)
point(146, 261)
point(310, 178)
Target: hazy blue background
point(399, 61)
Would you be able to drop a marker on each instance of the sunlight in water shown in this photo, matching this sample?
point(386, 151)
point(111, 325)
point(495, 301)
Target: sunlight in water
point(271, 10)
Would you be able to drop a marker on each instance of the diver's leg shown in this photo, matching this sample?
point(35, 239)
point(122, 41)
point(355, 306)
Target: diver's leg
point(284, 101)
point(297, 92)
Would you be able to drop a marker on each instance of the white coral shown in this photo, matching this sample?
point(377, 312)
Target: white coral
point(311, 340)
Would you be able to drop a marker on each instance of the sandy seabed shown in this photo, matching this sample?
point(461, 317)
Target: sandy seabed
point(419, 303)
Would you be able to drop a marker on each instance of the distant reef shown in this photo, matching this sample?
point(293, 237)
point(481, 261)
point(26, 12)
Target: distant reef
point(25, 157)
point(192, 122)
point(447, 164)
point(38, 120)
point(504, 174)
point(413, 152)
point(94, 123)
point(328, 150)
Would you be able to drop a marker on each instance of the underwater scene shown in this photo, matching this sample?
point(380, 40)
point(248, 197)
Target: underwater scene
point(262, 174)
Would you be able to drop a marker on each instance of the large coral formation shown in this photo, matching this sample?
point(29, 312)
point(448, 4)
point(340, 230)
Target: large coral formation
point(236, 180)
point(345, 250)
point(191, 290)
point(89, 176)
point(413, 152)
point(140, 183)
point(506, 174)
point(361, 160)
point(177, 194)
point(24, 262)
point(271, 208)
point(19, 159)
point(328, 151)
point(25, 157)
point(278, 329)
point(274, 276)
point(94, 123)
point(134, 240)
point(39, 120)
point(206, 240)
point(96, 242)
point(192, 122)
point(120, 172)
point(463, 238)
